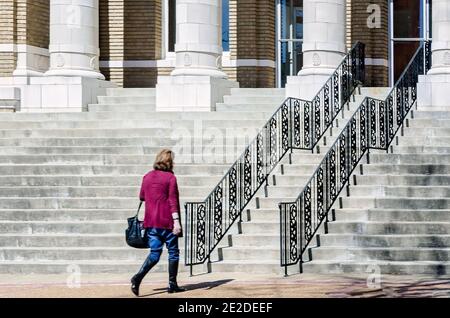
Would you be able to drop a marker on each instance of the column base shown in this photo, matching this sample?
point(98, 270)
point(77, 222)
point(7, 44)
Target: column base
point(75, 73)
point(55, 94)
point(9, 99)
point(433, 91)
point(191, 93)
point(306, 85)
point(27, 73)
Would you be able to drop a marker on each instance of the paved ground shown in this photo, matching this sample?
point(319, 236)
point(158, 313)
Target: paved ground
point(225, 286)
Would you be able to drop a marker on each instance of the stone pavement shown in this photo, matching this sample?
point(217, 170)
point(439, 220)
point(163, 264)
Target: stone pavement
point(226, 286)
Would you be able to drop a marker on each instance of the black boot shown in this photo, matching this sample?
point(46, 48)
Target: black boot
point(173, 272)
point(137, 279)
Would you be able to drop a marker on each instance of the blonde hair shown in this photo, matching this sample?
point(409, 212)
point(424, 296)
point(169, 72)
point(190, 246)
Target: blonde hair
point(164, 160)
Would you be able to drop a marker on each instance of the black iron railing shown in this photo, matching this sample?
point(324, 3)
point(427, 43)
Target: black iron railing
point(297, 124)
point(373, 126)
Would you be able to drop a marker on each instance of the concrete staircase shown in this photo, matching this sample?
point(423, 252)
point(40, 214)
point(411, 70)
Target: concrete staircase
point(397, 217)
point(255, 245)
point(69, 181)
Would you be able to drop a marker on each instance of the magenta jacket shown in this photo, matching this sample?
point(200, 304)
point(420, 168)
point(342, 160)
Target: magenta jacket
point(160, 192)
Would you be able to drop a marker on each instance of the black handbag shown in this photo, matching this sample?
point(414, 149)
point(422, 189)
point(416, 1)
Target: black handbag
point(136, 234)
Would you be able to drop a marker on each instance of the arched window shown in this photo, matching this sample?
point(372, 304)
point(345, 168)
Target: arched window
point(171, 24)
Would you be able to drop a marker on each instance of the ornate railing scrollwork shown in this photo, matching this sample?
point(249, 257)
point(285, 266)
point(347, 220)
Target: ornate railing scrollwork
point(373, 126)
point(297, 124)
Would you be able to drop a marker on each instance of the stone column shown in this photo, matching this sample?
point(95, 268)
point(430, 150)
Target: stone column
point(434, 87)
point(199, 38)
point(197, 83)
point(441, 38)
point(74, 38)
point(323, 46)
point(73, 80)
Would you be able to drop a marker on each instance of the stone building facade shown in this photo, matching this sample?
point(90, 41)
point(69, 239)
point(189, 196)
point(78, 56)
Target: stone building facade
point(134, 34)
point(132, 43)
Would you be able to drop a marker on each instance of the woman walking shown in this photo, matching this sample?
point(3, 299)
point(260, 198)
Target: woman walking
point(162, 219)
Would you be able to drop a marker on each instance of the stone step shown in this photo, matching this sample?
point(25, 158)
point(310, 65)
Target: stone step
point(389, 227)
point(149, 100)
point(202, 149)
point(398, 179)
point(386, 215)
point(269, 203)
point(85, 133)
point(254, 100)
point(385, 240)
point(91, 192)
point(433, 109)
point(423, 140)
point(145, 140)
point(27, 126)
point(385, 267)
point(254, 253)
point(175, 116)
point(280, 191)
point(396, 202)
point(76, 203)
point(412, 191)
point(279, 92)
point(406, 169)
point(83, 150)
point(128, 124)
point(203, 157)
point(428, 131)
point(257, 239)
point(428, 122)
point(266, 109)
point(297, 180)
point(131, 92)
point(250, 267)
point(302, 169)
point(86, 267)
point(261, 227)
point(423, 114)
point(104, 253)
point(261, 215)
point(146, 113)
point(65, 240)
point(89, 169)
point(4, 109)
point(122, 108)
point(376, 92)
point(342, 253)
point(52, 227)
point(60, 215)
point(410, 158)
point(373, 179)
point(98, 180)
point(422, 150)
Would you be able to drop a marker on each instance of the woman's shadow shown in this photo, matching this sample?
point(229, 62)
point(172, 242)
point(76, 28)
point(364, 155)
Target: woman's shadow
point(191, 287)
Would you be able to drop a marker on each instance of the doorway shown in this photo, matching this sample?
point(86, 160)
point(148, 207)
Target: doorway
point(409, 25)
point(289, 39)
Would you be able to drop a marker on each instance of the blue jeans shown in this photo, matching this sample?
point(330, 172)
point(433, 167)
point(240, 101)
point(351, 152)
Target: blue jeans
point(157, 238)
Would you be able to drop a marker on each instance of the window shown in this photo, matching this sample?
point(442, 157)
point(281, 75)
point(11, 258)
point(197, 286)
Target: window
point(226, 25)
point(171, 25)
point(410, 24)
point(290, 39)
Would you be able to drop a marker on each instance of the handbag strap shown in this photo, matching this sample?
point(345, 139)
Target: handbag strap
point(139, 208)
